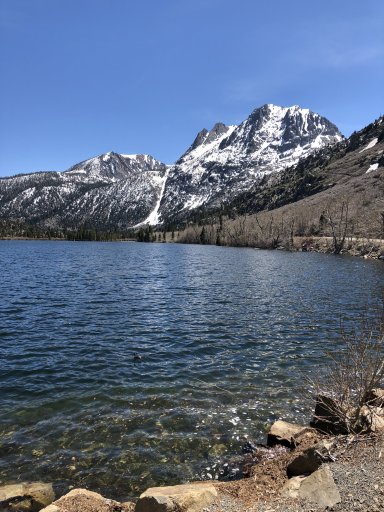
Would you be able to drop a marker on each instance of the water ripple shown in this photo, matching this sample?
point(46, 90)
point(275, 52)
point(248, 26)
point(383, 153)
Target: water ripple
point(223, 335)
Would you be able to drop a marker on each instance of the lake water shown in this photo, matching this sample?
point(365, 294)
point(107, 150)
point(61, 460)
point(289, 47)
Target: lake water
point(224, 336)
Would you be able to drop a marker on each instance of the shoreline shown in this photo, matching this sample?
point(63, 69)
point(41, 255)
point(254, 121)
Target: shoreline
point(299, 469)
point(367, 248)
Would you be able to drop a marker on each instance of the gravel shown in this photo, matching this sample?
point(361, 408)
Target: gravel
point(358, 473)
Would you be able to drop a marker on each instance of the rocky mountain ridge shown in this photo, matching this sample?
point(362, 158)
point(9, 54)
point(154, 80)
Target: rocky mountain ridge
point(228, 161)
point(122, 191)
point(334, 165)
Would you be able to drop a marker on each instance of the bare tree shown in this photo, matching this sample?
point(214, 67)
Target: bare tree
point(338, 221)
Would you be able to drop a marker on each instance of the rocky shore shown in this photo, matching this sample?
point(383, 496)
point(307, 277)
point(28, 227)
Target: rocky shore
point(301, 468)
point(366, 248)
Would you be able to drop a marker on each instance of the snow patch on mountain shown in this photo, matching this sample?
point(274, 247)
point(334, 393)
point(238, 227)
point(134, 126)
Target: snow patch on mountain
point(154, 217)
point(370, 145)
point(372, 167)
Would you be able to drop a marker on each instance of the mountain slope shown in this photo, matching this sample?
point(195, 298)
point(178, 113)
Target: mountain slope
point(115, 191)
point(333, 200)
point(109, 191)
point(338, 165)
point(228, 160)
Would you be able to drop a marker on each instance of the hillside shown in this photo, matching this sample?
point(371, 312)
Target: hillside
point(341, 185)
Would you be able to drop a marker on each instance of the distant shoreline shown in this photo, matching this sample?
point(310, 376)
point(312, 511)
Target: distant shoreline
point(362, 247)
point(55, 239)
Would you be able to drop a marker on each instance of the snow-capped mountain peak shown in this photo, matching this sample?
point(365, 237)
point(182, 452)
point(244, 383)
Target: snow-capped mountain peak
point(125, 190)
point(227, 160)
point(112, 166)
point(205, 142)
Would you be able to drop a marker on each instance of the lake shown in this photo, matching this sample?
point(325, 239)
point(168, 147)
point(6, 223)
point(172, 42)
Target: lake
point(223, 337)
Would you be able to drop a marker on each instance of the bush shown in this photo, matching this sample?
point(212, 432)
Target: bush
point(344, 389)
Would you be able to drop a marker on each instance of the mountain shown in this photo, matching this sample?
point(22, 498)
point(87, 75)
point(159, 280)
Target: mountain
point(338, 189)
point(228, 160)
point(347, 166)
point(121, 191)
point(108, 191)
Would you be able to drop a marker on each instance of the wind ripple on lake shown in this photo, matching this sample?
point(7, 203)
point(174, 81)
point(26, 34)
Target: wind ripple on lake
point(223, 333)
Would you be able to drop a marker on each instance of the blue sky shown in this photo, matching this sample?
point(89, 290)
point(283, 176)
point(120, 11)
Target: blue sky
point(83, 77)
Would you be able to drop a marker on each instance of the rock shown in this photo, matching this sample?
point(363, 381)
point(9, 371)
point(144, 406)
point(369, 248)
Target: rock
point(320, 488)
point(291, 488)
point(282, 432)
point(248, 447)
point(191, 497)
point(128, 506)
point(82, 500)
point(156, 503)
point(306, 436)
point(311, 459)
point(26, 496)
point(329, 417)
point(373, 418)
point(376, 397)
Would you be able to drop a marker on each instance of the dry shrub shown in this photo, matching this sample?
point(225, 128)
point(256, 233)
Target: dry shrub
point(343, 389)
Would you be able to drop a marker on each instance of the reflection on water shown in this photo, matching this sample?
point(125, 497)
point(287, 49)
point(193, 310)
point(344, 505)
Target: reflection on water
point(223, 334)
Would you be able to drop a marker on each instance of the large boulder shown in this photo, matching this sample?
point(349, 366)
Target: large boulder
point(292, 487)
point(82, 500)
point(286, 434)
point(329, 417)
point(191, 497)
point(26, 496)
point(319, 488)
point(311, 459)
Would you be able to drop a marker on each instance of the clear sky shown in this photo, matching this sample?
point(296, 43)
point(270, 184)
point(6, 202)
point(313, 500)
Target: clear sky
point(82, 77)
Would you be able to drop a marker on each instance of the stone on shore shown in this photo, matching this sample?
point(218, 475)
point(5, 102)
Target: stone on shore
point(284, 433)
point(26, 496)
point(373, 418)
point(191, 497)
point(311, 459)
point(329, 417)
point(291, 488)
point(82, 500)
point(320, 488)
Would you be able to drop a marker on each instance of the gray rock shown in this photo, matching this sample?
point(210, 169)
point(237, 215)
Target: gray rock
point(156, 504)
point(373, 418)
point(329, 416)
point(191, 497)
point(291, 488)
point(284, 433)
point(320, 488)
point(82, 500)
point(26, 496)
point(311, 459)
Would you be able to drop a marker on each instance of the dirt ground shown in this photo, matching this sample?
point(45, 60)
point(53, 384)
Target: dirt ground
point(358, 472)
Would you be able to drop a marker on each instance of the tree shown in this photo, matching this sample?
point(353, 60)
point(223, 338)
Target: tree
point(203, 236)
point(382, 224)
point(338, 221)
